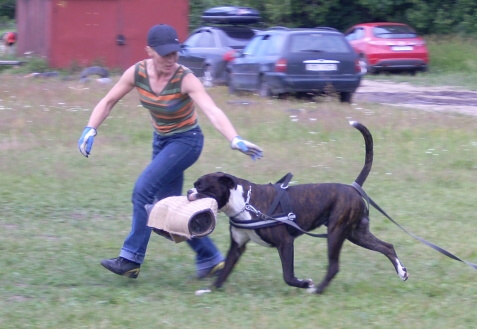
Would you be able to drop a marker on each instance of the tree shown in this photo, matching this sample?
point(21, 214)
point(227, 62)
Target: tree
point(427, 16)
point(7, 8)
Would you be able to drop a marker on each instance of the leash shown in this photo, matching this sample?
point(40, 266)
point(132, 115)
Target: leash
point(429, 244)
point(267, 221)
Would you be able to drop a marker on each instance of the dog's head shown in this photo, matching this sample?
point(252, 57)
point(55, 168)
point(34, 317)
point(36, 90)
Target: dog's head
point(217, 186)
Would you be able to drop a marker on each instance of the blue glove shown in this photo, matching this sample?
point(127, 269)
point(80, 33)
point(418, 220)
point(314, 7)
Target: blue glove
point(252, 150)
point(86, 140)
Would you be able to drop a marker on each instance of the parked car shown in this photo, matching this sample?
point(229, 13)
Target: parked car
point(389, 47)
point(297, 60)
point(207, 49)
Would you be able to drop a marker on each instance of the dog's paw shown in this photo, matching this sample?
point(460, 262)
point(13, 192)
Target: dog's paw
point(311, 290)
point(404, 275)
point(402, 271)
point(309, 284)
point(202, 292)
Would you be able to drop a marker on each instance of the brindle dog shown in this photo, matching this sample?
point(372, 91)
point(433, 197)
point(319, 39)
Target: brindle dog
point(338, 206)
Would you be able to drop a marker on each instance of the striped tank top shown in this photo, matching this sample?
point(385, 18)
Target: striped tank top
point(171, 111)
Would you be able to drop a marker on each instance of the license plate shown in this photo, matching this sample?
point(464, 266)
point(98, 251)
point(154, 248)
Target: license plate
point(321, 67)
point(401, 48)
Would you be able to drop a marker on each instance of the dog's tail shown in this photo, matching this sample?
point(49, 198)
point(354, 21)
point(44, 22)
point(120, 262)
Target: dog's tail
point(368, 162)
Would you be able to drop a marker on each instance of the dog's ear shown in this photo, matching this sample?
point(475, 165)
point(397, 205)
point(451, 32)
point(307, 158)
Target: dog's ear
point(228, 181)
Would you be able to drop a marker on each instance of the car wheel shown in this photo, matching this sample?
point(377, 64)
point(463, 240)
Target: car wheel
point(207, 79)
point(231, 85)
point(345, 96)
point(264, 89)
point(227, 77)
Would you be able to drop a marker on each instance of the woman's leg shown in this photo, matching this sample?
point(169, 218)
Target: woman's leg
point(207, 255)
point(164, 177)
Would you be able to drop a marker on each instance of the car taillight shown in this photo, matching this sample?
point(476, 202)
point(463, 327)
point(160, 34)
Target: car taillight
point(229, 55)
point(281, 65)
point(359, 66)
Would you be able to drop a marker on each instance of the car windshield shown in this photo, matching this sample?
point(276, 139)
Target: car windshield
point(318, 42)
point(394, 31)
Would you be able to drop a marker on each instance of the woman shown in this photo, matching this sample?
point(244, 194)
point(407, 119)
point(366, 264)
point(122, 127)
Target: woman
point(169, 91)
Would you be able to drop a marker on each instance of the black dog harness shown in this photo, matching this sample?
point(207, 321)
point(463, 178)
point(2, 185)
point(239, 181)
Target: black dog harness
point(267, 220)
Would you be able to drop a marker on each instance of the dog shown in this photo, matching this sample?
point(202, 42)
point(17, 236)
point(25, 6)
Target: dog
point(340, 207)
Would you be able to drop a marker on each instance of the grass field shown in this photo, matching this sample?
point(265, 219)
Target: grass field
point(62, 213)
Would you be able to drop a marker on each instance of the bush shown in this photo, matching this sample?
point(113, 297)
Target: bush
point(452, 54)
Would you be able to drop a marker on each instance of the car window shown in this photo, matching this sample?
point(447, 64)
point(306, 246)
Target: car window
point(355, 34)
point(206, 40)
point(252, 47)
point(273, 44)
point(318, 42)
point(261, 47)
point(267, 45)
point(192, 40)
point(359, 33)
point(394, 31)
point(350, 34)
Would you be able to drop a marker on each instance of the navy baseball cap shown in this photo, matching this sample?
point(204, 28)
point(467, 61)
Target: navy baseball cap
point(163, 39)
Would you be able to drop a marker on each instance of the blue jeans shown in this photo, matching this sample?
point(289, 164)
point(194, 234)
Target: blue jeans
point(162, 178)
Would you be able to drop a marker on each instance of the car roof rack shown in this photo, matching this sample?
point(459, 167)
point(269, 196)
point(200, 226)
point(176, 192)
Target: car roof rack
point(231, 15)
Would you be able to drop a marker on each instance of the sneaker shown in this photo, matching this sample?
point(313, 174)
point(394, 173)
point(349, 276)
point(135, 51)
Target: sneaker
point(122, 266)
point(211, 271)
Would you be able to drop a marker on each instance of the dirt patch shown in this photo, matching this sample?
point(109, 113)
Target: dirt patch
point(441, 99)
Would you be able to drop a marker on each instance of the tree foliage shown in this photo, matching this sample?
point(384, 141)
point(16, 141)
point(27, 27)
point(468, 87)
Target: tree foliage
point(427, 16)
point(7, 8)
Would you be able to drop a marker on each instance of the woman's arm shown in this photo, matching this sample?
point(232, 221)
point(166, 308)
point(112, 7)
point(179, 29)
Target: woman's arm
point(106, 104)
point(103, 108)
point(192, 86)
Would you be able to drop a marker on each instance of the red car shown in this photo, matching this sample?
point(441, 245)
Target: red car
point(388, 46)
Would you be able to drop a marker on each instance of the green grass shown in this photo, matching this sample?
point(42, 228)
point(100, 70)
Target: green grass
point(452, 53)
point(62, 213)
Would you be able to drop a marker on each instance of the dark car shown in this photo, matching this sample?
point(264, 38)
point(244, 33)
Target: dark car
point(387, 46)
point(207, 49)
point(297, 60)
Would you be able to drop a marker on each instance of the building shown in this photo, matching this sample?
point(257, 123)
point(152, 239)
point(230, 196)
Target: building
point(112, 33)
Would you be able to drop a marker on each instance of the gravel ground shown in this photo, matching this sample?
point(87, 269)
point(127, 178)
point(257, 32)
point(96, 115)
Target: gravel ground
point(442, 98)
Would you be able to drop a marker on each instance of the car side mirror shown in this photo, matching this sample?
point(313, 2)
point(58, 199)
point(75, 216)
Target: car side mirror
point(183, 48)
